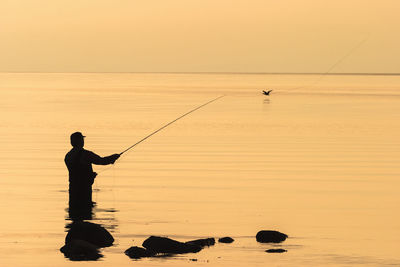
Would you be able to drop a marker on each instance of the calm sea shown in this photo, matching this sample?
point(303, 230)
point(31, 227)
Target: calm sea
point(318, 160)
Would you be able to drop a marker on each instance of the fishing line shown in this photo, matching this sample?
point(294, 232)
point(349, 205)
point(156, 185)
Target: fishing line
point(335, 64)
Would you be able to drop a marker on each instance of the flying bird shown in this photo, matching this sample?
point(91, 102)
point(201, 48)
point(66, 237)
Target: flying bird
point(267, 92)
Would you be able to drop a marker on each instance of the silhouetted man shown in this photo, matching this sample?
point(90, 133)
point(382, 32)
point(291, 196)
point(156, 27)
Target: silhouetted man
point(81, 175)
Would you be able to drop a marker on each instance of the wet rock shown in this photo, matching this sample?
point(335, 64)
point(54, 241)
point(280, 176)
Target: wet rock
point(226, 239)
point(80, 250)
point(278, 250)
point(90, 232)
point(269, 236)
point(166, 245)
point(138, 252)
point(206, 242)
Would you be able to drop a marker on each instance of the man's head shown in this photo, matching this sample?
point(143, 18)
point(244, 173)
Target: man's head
point(77, 140)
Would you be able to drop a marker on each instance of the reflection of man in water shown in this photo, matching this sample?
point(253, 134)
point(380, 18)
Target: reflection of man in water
point(81, 176)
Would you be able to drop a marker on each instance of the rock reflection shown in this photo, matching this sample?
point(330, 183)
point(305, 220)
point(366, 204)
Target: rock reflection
point(85, 239)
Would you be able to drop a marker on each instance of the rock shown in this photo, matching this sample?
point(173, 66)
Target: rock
point(278, 250)
point(206, 242)
point(269, 236)
point(90, 232)
point(166, 245)
point(138, 252)
point(80, 250)
point(226, 239)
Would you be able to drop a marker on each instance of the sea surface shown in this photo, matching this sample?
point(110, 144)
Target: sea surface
point(318, 160)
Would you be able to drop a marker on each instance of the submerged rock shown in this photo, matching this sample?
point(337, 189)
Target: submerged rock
point(226, 239)
point(155, 244)
point(138, 252)
point(269, 236)
point(80, 250)
point(206, 242)
point(158, 244)
point(90, 232)
point(277, 250)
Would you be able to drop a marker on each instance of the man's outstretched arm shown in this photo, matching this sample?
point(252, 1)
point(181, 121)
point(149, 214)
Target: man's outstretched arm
point(96, 159)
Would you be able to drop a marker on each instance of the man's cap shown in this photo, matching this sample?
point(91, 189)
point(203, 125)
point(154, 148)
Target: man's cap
point(76, 136)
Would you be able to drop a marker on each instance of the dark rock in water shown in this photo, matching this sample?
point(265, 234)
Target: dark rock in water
point(90, 232)
point(278, 250)
point(138, 252)
point(269, 236)
point(206, 242)
point(81, 250)
point(226, 239)
point(166, 245)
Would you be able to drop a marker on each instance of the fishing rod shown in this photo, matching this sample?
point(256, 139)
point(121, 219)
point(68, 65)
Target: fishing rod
point(166, 125)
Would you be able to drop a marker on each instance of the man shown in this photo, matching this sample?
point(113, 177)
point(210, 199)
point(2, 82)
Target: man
point(81, 176)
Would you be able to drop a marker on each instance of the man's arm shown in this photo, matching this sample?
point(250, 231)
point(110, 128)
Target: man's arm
point(96, 159)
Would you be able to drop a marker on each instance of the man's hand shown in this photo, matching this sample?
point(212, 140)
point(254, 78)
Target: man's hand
point(94, 174)
point(114, 157)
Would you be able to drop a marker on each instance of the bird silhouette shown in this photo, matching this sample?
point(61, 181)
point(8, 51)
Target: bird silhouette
point(267, 92)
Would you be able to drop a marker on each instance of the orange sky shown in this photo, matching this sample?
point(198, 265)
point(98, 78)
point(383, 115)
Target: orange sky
point(194, 35)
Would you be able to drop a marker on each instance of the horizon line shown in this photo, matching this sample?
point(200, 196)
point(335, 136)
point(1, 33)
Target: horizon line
point(217, 72)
